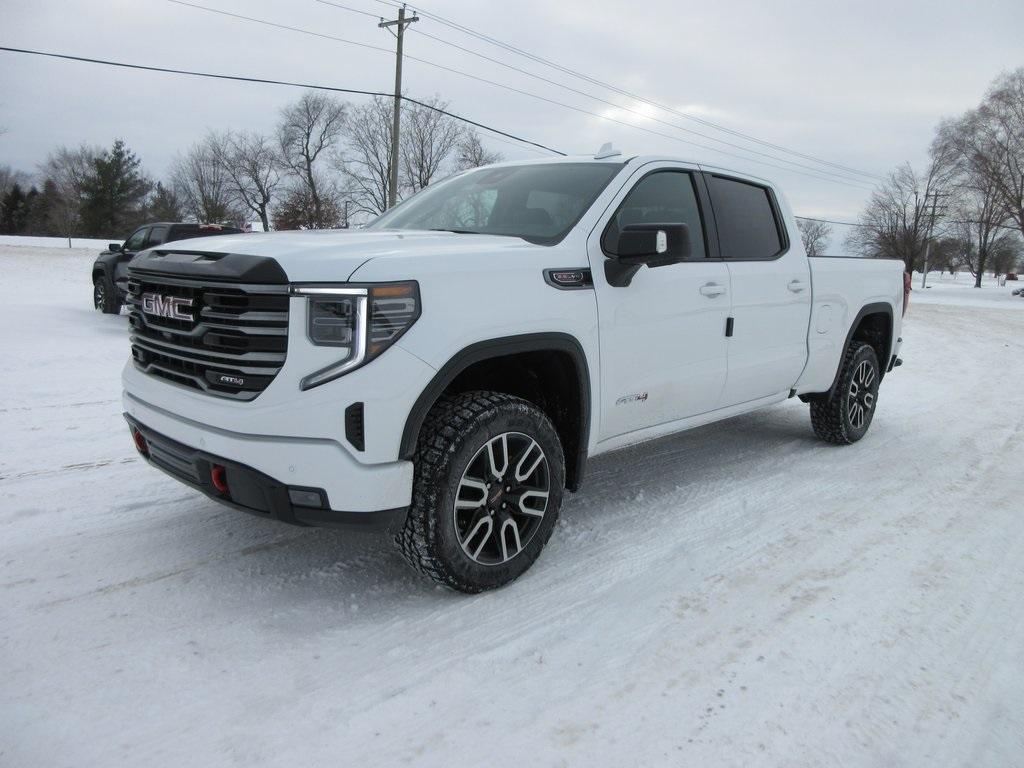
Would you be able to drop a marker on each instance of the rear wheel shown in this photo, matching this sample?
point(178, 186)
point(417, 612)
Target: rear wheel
point(104, 296)
point(489, 474)
point(844, 417)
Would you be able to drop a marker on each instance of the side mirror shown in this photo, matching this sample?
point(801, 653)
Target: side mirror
point(654, 245)
point(115, 247)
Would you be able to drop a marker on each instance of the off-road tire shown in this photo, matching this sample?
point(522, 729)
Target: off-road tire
point(830, 416)
point(104, 296)
point(454, 431)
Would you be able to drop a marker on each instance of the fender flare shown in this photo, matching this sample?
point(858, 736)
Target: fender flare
point(878, 307)
point(501, 347)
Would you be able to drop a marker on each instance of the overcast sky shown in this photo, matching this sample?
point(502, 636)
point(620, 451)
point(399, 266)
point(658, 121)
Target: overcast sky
point(857, 83)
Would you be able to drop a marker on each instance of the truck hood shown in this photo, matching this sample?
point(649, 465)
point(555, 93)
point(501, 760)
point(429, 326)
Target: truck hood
point(334, 255)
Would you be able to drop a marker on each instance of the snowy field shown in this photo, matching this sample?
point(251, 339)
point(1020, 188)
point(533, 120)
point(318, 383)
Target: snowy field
point(739, 595)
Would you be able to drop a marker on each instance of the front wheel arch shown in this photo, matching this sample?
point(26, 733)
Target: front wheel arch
point(570, 411)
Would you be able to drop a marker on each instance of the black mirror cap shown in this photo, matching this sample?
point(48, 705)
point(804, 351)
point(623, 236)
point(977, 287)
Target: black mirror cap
point(654, 244)
point(114, 247)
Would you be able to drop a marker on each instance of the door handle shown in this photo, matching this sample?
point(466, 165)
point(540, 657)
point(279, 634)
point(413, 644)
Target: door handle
point(712, 289)
point(796, 286)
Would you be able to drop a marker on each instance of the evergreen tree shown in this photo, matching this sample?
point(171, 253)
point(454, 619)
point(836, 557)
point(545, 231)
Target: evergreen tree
point(15, 208)
point(165, 205)
point(114, 192)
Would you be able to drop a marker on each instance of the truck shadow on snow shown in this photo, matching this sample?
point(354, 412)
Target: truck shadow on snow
point(318, 566)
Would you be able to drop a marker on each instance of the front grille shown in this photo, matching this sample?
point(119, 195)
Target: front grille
point(228, 340)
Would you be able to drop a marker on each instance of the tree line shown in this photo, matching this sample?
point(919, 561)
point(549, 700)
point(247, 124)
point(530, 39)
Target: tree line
point(965, 210)
point(326, 164)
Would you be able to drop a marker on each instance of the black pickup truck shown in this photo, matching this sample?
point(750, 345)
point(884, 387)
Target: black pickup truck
point(110, 271)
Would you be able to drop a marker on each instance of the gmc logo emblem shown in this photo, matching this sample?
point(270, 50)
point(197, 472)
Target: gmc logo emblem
point(171, 307)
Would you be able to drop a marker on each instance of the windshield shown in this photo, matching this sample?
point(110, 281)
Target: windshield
point(539, 203)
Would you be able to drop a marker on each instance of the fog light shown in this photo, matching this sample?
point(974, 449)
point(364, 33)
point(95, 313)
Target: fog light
point(302, 497)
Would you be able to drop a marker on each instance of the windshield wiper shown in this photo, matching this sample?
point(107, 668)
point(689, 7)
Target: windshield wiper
point(456, 231)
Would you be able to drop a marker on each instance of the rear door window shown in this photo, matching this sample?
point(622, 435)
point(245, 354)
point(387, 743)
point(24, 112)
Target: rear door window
point(157, 235)
point(748, 228)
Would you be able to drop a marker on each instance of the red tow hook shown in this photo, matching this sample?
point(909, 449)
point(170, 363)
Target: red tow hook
point(219, 478)
point(140, 442)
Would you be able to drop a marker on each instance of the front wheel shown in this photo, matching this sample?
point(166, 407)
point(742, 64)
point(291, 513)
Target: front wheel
point(104, 296)
point(844, 417)
point(487, 488)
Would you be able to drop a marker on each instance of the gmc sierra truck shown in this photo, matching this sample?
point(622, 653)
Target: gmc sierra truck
point(446, 371)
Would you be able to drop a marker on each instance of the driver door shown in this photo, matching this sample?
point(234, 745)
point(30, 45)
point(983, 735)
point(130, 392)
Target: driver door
point(662, 337)
point(135, 243)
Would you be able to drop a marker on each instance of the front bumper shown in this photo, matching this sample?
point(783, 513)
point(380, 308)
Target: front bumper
point(272, 465)
point(247, 489)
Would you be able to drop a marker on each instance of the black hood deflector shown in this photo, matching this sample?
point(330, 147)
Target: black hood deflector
point(203, 265)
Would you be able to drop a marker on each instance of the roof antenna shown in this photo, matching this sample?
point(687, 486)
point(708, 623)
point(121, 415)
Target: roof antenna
point(606, 151)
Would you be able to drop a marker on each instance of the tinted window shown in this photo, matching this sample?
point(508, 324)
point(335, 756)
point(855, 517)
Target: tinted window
point(137, 240)
point(664, 197)
point(539, 203)
point(157, 235)
point(746, 222)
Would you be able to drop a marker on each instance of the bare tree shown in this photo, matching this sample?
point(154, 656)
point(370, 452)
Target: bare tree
point(989, 142)
point(978, 217)
point(898, 219)
point(251, 165)
point(472, 154)
point(9, 177)
point(430, 140)
point(205, 188)
point(65, 174)
point(309, 133)
point(815, 236)
point(367, 159)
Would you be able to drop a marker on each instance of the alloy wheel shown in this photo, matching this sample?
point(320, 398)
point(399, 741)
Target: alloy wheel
point(862, 395)
point(501, 498)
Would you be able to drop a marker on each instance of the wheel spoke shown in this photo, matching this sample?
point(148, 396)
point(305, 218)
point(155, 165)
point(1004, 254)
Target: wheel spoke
point(493, 461)
point(856, 415)
point(869, 400)
point(482, 522)
point(533, 495)
point(509, 524)
point(869, 375)
point(476, 485)
point(521, 473)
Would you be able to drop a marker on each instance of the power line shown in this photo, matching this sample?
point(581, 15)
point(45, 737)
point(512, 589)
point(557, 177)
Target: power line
point(844, 176)
point(268, 81)
point(868, 226)
point(574, 73)
point(829, 221)
point(519, 91)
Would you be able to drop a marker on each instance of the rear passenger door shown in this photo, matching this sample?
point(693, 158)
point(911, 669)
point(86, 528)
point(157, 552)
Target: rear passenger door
point(771, 291)
point(157, 236)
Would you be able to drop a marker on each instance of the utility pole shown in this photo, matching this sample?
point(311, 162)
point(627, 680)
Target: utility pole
point(399, 24)
point(928, 242)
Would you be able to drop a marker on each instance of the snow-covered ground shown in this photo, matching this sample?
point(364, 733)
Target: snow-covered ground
point(59, 242)
point(738, 595)
point(960, 290)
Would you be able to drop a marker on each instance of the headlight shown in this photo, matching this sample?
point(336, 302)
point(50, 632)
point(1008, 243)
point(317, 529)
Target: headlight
point(360, 321)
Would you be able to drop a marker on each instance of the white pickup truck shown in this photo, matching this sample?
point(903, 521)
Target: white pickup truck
point(446, 371)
